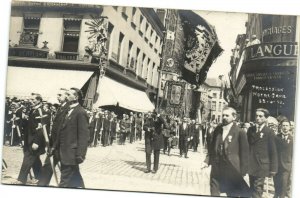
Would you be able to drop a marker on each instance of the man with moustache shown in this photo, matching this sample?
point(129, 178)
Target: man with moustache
point(47, 171)
point(228, 158)
point(263, 159)
point(34, 141)
point(73, 141)
point(284, 144)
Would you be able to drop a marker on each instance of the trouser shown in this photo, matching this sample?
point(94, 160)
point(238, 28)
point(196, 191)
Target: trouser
point(139, 134)
point(195, 145)
point(47, 172)
point(225, 178)
point(122, 138)
point(165, 143)
point(256, 186)
point(156, 160)
point(281, 181)
point(30, 161)
point(71, 177)
point(183, 147)
point(96, 139)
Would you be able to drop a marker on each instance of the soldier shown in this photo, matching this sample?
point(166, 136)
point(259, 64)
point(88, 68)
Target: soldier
point(284, 144)
point(73, 141)
point(34, 141)
point(138, 123)
point(47, 171)
point(228, 158)
point(123, 130)
point(92, 125)
point(166, 133)
point(263, 159)
point(184, 138)
point(105, 128)
point(132, 128)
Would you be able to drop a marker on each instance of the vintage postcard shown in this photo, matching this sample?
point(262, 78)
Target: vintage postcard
point(175, 101)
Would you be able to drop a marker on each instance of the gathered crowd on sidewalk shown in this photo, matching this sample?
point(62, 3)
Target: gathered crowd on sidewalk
point(66, 130)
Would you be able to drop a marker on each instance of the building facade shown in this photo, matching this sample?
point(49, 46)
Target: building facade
point(51, 40)
point(263, 69)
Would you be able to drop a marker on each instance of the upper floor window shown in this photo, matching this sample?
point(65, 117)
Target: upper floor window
point(72, 27)
point(31, 26)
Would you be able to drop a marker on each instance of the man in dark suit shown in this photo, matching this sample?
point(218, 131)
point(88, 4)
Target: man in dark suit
point(153, 140)
point(284, 144)
point(228, 158)
point(184, 138)
point(263, 160)
point(34, 141)
point(73, 141)
point(47, 171)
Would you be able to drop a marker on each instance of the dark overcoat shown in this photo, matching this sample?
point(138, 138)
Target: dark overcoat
point(74, 136)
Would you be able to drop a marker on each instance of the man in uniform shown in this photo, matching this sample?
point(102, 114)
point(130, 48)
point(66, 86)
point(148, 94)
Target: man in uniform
point(263, 159)
point(73, 141)
point(34, 141)
point(228, 158)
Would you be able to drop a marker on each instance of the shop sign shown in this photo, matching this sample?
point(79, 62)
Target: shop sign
point(269, 94)
point(268, 50)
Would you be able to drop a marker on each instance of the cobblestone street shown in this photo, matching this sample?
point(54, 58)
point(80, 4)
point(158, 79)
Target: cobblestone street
point(122, 168)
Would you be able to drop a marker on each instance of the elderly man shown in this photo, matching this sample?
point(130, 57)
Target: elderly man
point(228, 158)
point(263, 160)
point(57, 123)
point(73, 141)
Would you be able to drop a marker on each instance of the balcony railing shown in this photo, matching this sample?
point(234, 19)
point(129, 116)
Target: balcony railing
point(66, 55)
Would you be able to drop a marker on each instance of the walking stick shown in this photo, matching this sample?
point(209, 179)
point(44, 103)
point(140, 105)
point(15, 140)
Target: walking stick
point(101, 130)
point(109, 131)
point(45, 134)
point(95, 131)
point(12, 130)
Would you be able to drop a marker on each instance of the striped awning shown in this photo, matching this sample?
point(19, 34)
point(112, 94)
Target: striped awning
point(34, 16)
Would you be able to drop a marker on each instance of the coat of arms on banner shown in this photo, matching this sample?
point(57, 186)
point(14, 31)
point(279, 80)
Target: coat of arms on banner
point(175, 93)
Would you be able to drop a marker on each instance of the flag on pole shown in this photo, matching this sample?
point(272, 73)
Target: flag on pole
point(201, 47)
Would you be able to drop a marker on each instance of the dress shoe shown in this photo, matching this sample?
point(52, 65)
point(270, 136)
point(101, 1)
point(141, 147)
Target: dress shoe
point(147, 171)
point(153, 171)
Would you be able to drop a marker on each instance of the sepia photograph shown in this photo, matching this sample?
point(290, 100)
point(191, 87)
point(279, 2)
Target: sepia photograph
point(150, 99)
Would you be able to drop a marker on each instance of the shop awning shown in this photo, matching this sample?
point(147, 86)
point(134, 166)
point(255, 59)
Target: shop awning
point(22, 81)
point(114, 93)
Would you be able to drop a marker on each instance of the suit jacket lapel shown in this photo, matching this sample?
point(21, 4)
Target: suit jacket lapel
point(255, 136)
point(69, 117)
point(230, 134)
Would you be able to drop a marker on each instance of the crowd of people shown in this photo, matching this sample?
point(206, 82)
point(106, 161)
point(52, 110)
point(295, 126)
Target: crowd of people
point(240, 152)
point(64, 132)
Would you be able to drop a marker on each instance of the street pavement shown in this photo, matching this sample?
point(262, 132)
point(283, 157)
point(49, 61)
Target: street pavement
point(121, 167)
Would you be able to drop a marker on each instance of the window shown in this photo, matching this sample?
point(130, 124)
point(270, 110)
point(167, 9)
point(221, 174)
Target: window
point(133, 12)
point(220, 106)
point(141, 21)
point(31, 28)
point(121, 38)
point(130, 59)
point(109, 32)
point(142, 65)
point(219, 118)
point(124, 15)
point(209, 105)
point(152, 76)
point(71, 34)
point(137, 57)
point(213, 105)
point(214, 95)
